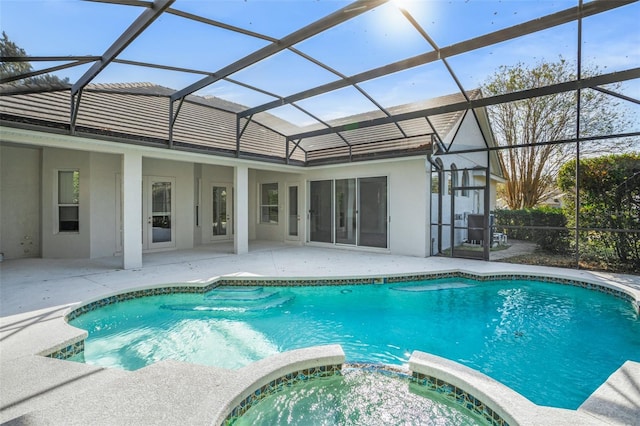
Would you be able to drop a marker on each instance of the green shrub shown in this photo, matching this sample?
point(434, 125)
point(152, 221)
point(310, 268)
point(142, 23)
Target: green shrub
point(522, 225)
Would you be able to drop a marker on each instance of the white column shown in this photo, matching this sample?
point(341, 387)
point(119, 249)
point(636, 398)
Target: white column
point(241, 209)
point(132, 210)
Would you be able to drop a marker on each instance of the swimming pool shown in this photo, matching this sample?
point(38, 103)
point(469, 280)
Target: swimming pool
point(554, 344)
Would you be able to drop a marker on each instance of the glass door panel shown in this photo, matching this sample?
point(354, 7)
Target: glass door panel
point(158, 208)
point(372, 226)
point(293, 218)
point(320, 209)
point(220, 215)
point(161, 212)
point(346, 211)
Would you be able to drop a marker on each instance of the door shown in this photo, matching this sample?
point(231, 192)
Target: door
point(221, 212)
point(345, 203)
point(373, 223)
point(349, 211)
point(320, 207)
point(293, 215)
point(158, 207)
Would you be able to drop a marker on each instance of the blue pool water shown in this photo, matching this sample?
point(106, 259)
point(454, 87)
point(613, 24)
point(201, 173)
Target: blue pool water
point(553, 343)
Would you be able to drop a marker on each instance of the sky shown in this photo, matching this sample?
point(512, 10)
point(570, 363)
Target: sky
point(611, 42)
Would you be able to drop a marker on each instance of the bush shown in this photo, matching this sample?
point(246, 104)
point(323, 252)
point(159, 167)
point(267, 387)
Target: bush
point(609, 216)
point(523, 225)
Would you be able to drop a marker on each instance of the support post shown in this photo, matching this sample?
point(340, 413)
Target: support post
point(131, 210)
point(241, 209)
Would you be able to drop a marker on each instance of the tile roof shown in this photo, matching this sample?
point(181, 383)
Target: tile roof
point(139, 112)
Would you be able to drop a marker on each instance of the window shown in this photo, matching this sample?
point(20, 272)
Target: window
point(269, 203)
point(465, 183)
point(68, 200)
point(435, 182)
point(437, 176)
point(453, 182)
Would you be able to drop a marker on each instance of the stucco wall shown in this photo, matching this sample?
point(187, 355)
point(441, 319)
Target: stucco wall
point(65, 244)
point(104, 185)
point(19, 202)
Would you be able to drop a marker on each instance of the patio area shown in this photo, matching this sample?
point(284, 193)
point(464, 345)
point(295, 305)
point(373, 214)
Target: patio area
point(36, 293)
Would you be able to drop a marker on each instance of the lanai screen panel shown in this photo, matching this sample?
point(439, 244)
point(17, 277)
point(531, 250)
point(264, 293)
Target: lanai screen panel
point(364, 57)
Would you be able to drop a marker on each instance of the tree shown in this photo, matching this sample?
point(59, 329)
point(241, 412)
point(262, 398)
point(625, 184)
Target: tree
point(9, 48)
point(9, 69)
point(609, 200)
point(531, 170)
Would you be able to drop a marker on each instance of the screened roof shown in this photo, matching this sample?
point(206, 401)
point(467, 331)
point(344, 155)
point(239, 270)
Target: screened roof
point(325, 79)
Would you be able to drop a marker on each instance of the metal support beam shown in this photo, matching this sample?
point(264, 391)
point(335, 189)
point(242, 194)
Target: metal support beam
point(617, 95)
point(130, 34)
point(438, 139)
point(295, 146)
point(530, 27)
point(553, 89)
point(329, 21)
point(40, 72)
point(172, 120)
point(73, 116)
point(244, 128)
point(319, 120)
point(433, 44)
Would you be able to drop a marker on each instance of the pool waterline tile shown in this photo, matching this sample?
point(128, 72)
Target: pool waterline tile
point(299, 282)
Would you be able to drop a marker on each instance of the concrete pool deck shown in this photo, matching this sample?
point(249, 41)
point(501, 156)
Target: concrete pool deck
point(36, 293)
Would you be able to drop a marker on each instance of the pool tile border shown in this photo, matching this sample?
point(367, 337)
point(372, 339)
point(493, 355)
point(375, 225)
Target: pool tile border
point(68, 351)
point(298, 282)
point(459, 396)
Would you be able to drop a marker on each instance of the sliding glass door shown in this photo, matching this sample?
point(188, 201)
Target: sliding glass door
point(373, 212)
point(320, 218)
point(349, 211)
point(346, 206)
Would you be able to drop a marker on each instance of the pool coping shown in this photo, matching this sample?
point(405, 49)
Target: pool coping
point(514, 414)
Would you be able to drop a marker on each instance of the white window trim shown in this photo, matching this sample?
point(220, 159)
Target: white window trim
point(57, 205)
point(260, 205)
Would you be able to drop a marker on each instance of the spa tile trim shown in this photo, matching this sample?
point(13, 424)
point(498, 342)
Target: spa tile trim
point(278, 385)
point(68, 351)
point(460, 397)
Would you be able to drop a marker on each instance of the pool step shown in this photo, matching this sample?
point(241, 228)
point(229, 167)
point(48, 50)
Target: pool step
point(432, 287)
point(227, 293)
point(272, 302)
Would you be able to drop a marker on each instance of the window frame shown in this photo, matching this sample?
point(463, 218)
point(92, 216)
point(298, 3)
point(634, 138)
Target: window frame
point(271, 208)
point(58, 204)
point(465, 183)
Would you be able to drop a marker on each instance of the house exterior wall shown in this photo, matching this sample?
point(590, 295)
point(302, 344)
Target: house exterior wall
point(20, 207)
point(65, 244)
point(104, 185)
point(100, 167)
